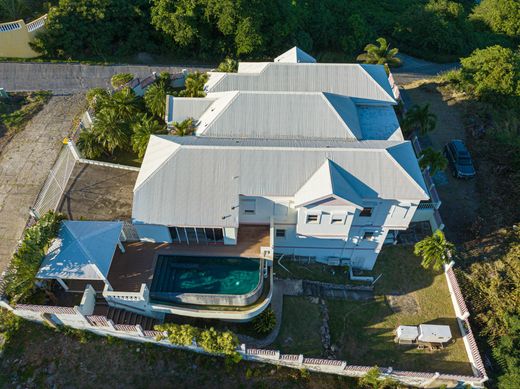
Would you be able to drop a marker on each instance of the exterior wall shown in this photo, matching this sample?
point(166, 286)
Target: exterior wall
point(153, 233)
point(15, 37)
point(230, 236)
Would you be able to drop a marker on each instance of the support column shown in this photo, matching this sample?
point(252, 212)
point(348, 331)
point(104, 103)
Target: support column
point(62, 283)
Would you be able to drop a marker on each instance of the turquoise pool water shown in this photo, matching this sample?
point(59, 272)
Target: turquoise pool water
point(209, 275)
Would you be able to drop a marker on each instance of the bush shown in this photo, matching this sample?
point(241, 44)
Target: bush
point(214, 341)
point(182, 335)
point(9, 325)
point(94, 94)
point(19, 280)
point(121, 79)
point(500, 16)
point(265, 322)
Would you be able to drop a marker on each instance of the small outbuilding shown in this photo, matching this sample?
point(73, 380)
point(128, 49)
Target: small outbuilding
point(82, 254)
point(433, 333)
point(407, 334)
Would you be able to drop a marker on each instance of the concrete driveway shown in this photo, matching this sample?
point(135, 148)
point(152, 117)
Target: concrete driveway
point(414, 69)
point(65, 78)
point(25, 163)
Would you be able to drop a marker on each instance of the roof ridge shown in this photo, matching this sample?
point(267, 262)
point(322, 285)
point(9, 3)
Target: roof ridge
point(338, 116)
point(234, 94)
point(403, 169)
point(377, 83)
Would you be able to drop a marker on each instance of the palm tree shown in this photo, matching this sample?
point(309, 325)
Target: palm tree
point(433, 160)
point(380, 55)
point(89, 145)
point(142, 130)
point(12, 9)
point(420, 119)
point(186, 127)
point(124, 103)
point(194, 85)
point(229, 65)
point(111, 132)
point(155, 97)
point(435, 250)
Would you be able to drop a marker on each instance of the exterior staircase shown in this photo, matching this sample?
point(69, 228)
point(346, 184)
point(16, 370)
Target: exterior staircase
point(122, 316)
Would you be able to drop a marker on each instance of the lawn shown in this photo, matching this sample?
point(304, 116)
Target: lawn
point(300, 330)
point(362, 332)
point(36, 356)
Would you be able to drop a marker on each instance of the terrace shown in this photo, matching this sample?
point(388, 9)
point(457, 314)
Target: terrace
point(136, 266)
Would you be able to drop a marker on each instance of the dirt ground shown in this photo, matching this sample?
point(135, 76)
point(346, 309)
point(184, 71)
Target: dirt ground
point(460, 202)
point(99, 193)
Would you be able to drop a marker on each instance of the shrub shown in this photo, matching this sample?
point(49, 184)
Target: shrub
point(179, 334)
point(500, 16)
point(89, 145)
point(372, 380)
point(94, 94)
point(229, 65)
point(9, 325)
point(121, 79)
point(265, 322)
point(19, 280)
point(214, 341)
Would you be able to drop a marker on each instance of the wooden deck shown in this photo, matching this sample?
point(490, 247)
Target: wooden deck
point(131, 269)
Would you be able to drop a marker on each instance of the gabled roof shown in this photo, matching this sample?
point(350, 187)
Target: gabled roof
point(199, 182)
point(295, 55)
point(82, 250)
point(288, 115)
point(180, 108)
point(354, 80)
point(328, 181)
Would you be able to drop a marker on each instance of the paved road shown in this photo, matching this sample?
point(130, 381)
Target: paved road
point(25, 163)
point(69, 78)
point(414, 69)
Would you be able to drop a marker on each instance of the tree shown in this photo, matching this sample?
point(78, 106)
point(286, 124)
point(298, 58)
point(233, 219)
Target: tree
point(194, 85)
point(11, 10)
point(124, 104)
point(434, 160)
point(218, 342)
point(95, 94)
point(89, 145)
point(435, 250)
point(265, 322)
point(229, 65)
point(155, 97)
point(372, 379)
point(146, 126)
point(501, 16)
point(491, 74)
point(380, 55)
point(420, 119)
point(121, 79)
point(111, 132)
point(179, 334)
point(186, 127)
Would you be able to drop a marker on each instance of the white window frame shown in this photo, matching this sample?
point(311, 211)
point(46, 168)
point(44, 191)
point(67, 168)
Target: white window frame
point(249, 206)
point(338, 218)
point(372, 238)
point(313, 213)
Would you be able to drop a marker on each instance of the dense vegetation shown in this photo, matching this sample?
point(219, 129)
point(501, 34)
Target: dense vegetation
point(28, 10)
point(490, 82)
point(19, 280)
point(330, 29)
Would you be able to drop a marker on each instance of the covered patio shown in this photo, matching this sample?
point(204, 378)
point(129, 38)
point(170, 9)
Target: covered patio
point(82, 254)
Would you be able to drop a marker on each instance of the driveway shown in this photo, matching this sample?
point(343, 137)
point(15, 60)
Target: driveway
point(414, 69)
point(64, 78)
point(25, 163)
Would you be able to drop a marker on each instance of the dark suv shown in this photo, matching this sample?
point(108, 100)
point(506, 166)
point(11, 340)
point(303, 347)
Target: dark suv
point(459, 159)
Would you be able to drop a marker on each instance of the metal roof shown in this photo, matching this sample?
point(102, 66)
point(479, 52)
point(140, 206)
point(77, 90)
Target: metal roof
point(82, 250)
point(295, 55)
point(287, 115)
point(199, 182)
point(354, 80)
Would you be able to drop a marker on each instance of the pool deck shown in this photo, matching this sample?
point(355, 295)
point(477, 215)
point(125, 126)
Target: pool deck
point(136, 266)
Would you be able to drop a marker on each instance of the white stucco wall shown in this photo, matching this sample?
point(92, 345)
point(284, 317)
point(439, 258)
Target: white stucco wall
point(153, 233)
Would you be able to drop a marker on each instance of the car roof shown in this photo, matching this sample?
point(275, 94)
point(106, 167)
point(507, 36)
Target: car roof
point(459, 145)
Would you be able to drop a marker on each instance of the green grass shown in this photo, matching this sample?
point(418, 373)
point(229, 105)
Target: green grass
point(363, 331)
point(312, 271)
point(40, 357)
point(19, 108)
point(300, 330)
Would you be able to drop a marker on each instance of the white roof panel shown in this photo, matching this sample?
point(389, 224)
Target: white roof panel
point(295, 55)
point(199, 183)
point(434, 333)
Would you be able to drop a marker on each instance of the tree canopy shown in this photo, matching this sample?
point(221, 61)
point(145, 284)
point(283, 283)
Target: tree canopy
point(500, 16)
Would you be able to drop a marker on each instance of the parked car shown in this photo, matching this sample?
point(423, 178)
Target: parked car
point(459, 159)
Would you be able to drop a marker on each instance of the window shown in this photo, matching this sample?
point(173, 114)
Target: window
point(249, 207)
point(368, 235)
point(280, 233)
point(366, 212)
point(312, 218)
point(337, 219)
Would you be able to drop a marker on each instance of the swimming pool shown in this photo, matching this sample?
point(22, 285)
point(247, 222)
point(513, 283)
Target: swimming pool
point(175, 276)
